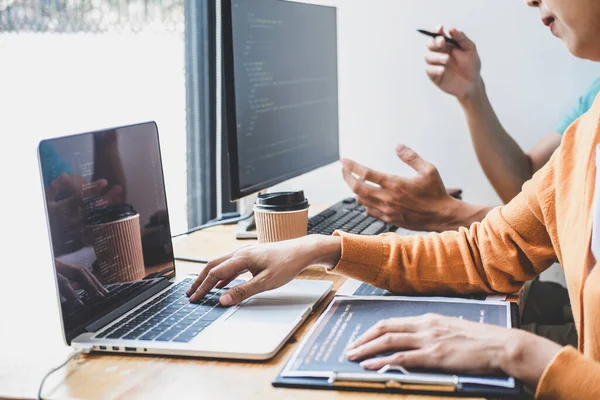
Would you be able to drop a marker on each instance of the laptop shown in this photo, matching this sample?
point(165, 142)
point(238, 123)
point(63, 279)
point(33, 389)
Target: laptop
point(113, 259)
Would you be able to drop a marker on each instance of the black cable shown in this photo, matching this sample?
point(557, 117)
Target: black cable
point(53, 370)
point(215, 223)
point(198, 228)
point(209, 225)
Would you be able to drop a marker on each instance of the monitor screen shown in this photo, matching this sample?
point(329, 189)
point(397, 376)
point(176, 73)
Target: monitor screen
point(108, 221)
point(281, 91)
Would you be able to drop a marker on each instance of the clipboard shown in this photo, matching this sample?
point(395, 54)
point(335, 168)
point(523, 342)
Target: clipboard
point(396, 380)
point(386, 385)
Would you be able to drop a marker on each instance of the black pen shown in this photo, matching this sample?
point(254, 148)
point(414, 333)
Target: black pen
point(434, 35)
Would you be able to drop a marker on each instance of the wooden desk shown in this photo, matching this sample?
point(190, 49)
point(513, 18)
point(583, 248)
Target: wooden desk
point(148, 377)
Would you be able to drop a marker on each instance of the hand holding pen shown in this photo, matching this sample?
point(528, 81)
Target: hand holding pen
point(453, 63)
point(439, 34)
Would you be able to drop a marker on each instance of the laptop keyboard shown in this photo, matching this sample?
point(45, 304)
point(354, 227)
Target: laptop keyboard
point(169, 317)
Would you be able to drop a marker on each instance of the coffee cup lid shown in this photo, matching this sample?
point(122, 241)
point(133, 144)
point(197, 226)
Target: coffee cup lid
point(111, 213)
point(282, 201)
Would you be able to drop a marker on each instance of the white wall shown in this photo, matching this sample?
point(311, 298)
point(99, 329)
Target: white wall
point(386, 98)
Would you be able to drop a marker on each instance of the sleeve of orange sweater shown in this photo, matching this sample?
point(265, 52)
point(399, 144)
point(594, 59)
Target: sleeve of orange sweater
point(570, 375)
point(510, 246)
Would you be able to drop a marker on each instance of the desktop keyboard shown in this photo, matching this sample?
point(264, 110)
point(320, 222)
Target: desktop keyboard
point(348, 216)
point(169, 317)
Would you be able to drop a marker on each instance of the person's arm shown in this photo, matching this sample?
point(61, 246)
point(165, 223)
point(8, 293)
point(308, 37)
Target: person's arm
point(509, 247)
point(457, 71)
point(109, 166)
point(570, 375)
point(512, 245)
point(505, 164)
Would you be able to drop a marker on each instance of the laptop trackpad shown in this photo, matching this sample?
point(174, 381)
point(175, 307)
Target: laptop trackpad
point(273, 311)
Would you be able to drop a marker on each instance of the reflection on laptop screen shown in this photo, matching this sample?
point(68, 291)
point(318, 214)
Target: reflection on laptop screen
point(108, 220)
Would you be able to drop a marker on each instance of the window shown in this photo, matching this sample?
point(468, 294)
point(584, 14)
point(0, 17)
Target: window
point(78, 65)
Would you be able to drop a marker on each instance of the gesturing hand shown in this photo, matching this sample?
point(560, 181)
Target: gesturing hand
point(421, 203)
point(70, 198)
point(74, 190)
point(436, 342)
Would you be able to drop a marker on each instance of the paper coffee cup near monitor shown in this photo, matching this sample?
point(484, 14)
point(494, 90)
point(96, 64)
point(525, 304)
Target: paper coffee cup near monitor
point(281, 216)
point(117, 240)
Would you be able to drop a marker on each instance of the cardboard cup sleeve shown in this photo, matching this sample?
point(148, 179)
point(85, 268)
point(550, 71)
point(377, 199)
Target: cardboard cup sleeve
point(275, 226)
point(118, 247)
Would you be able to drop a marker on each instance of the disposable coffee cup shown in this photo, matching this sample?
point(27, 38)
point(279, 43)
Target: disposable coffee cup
point(117, 241)
point(281, 216)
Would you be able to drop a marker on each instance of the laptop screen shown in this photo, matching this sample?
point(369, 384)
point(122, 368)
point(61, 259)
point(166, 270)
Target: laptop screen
point(108, 221)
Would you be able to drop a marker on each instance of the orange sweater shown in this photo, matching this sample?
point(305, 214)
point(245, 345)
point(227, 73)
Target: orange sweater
point(550, 220)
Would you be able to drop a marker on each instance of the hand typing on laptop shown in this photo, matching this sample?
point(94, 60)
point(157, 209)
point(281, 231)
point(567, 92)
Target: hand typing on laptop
point(271, 265)
point(67, 274)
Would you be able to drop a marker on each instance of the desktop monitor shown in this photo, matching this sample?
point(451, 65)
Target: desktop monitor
point(281, 91)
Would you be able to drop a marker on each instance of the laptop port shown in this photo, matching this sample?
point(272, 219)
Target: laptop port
point(102, 347)
point(130, 349)
point(115, 348)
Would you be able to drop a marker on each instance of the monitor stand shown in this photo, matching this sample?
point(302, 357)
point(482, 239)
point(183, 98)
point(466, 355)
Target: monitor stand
point(246, 229)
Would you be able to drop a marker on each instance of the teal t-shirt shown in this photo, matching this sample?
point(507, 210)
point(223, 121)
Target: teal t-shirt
point(583, 105)
point(52, 163)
